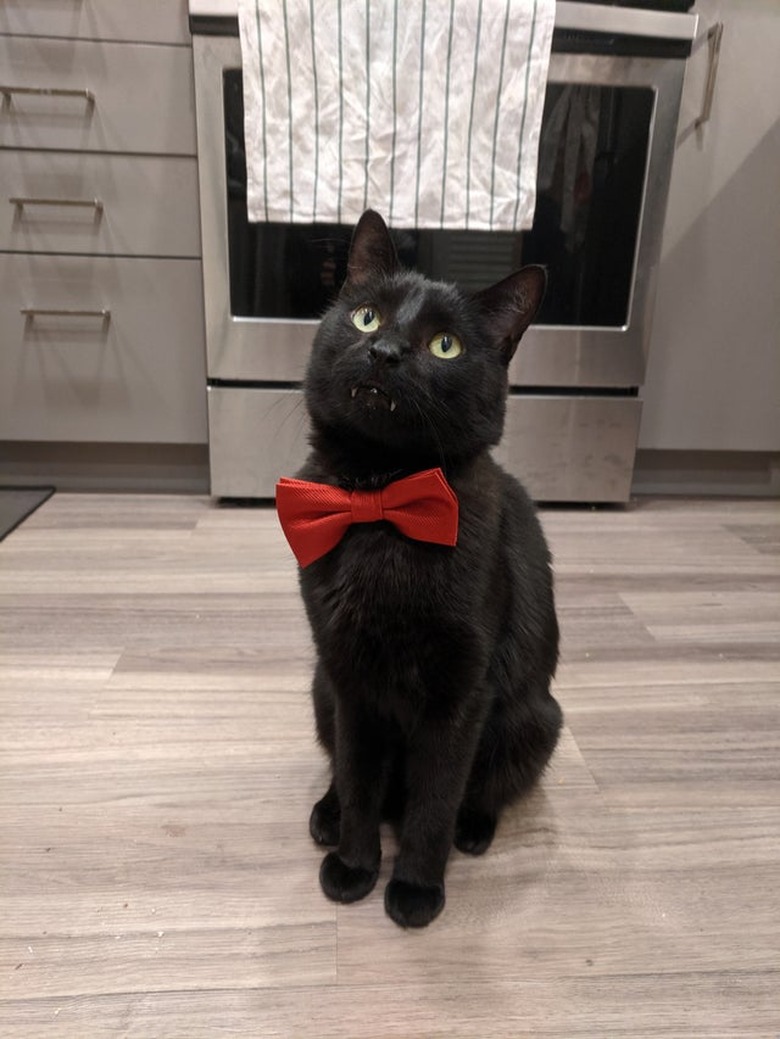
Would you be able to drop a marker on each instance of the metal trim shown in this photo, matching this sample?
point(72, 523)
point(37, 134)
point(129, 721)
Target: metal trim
point(626, 21)
point(602, 18)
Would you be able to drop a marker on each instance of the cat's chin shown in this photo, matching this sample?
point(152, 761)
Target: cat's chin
point(371, 397)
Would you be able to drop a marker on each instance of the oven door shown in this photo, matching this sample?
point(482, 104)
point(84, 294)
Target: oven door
point(605, 160)
point(599, 218)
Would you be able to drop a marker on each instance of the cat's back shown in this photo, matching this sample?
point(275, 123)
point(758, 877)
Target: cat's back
point(521, 528)
point(527, 567)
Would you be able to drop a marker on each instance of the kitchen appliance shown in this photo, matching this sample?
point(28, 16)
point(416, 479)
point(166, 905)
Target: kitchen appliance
point(607, 143)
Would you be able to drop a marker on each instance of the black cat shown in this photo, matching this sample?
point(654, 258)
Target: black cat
point(432, 686)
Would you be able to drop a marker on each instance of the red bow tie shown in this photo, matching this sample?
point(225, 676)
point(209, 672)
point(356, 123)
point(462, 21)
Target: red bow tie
point(315, 516)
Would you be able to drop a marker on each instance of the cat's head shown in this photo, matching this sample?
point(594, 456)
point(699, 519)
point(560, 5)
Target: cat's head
point(414, 366)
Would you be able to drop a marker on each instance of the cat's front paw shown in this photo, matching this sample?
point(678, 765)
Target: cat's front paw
point(412, 905)
point(474, 832)
point(325, 821)
point(343, 883)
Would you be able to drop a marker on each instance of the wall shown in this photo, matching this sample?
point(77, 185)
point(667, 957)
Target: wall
point(713, 380)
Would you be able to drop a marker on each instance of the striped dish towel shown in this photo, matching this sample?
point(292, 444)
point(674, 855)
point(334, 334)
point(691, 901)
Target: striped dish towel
point(428, 111)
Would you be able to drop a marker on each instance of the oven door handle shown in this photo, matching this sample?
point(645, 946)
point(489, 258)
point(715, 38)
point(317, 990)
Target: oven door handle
point(714, 39)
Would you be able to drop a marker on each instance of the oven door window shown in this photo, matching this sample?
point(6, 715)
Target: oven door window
point(592, 168)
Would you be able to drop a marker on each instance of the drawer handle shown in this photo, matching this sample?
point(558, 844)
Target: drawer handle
point(87, 203)
point(8, 93)
point(32, 312)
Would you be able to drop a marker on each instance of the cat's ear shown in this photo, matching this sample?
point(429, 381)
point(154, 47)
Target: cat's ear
point(511, 305)
point(372, 253)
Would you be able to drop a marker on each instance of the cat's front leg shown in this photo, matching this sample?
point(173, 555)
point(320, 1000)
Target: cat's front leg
point(325, 818)
point(360, 778)
point(438, 764)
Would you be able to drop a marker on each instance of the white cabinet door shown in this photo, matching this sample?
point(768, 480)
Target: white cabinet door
point(68, 371)
point(139, 21)
point(143, 99)
point(83, 202)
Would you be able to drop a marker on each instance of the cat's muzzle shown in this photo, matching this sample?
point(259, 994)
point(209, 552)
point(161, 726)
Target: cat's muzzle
point(373, 397)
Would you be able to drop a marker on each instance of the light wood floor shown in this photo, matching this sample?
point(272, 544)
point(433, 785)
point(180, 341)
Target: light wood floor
point(159, 765)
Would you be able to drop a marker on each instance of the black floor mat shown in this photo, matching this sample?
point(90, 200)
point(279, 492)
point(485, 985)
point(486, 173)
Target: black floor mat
point(17, 503)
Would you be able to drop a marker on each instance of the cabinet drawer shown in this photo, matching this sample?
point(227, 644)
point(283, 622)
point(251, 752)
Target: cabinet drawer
point(145, 21)
point(143, 96)
point(83, 202)
point(136, 375)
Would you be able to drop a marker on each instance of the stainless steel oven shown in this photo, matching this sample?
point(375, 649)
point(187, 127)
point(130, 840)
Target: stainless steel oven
point(606, 152)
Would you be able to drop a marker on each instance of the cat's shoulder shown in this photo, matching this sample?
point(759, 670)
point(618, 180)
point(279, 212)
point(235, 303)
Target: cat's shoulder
point(487, 486)
point(491, 499)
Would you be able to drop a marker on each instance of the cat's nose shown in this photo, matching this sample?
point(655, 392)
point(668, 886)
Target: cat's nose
point(386, 351)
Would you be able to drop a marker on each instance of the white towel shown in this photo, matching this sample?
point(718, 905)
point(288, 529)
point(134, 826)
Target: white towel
point(428, 111)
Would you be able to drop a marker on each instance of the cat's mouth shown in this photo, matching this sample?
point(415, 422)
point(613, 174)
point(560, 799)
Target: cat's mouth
point(373, 396)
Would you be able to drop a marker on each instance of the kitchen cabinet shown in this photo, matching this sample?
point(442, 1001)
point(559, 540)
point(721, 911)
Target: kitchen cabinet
point(101, 299)
point(713, 379)
point(144, 21)
point(133, 205)
point(108, 358)
point(115, 97)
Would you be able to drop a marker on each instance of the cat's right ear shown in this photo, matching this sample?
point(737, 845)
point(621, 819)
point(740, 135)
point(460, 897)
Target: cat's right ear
point(371, 253)
point(511, 305)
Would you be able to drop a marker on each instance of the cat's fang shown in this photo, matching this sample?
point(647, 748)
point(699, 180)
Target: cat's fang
point(353, 392)
point(393, 405)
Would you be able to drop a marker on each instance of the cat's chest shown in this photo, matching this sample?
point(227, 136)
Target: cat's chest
point(384, 616)
point(377, 579)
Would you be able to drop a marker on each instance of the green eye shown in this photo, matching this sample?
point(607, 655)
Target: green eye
point(445, 346)
point(366, 319)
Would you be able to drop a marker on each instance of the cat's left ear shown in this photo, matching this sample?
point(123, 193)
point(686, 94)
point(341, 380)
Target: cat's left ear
point(371, 253)
point(511, 305)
